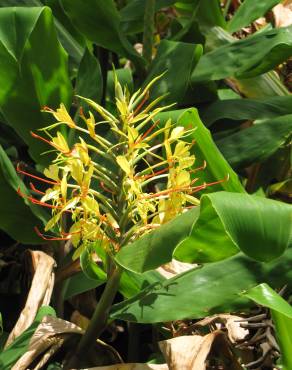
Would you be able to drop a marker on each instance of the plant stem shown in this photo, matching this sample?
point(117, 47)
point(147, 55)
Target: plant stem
point(99, 319)
point(148, 30)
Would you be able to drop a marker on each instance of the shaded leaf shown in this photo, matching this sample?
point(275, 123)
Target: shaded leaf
point(248, 12)
point(168, 59)
point(99, 21)
point(213, 288)
point(31, 75)
point(256, 143)
point(247, 109)
point(89, 79)
point(17, 218)
point(246, 58)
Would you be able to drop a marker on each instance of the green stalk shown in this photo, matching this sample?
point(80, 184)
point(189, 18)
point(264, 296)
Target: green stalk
point(99, 319)
point(148, 30)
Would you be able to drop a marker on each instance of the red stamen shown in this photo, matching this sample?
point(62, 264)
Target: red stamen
point(152, 174)
point(194, 180)
point(36, 190)
point(48, 142)
point(69, 234)
point(105, 188)
point(35, 177)
point(81, 112)
point(142, 103)
point(50, 238)
point(47, 109)
point(199, 168)
point(148, 131)
point(184, 188)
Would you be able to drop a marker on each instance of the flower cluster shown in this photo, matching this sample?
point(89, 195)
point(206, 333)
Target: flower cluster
point(113, 188)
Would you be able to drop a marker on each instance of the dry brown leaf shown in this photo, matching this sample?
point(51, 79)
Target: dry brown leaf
point(130, 367)
point(283, 14)
point(51, 332)
point(174, 267)
point(235, 331)
point(191, 352)
point(39, 294)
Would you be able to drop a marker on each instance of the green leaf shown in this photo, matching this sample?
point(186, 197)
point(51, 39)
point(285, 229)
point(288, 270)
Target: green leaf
point(156, 248)
point(168, 59)
point(217, 168)
point(89, 79)
point(247, 109)
point(210, 15)
point(206, 150)
point(67, 34)
point(281, 312)
point(264, 295)
point(132, 283)
point(90, 267)
point(259, 227)
point(133, 13)
point(248, 12)
point(31, 75)
point(256, 143)
point(79, 283)
point(223, 224)
point(213, 288)
point(99, 21)
point(246, 58)
point(17, 217)
point(20, 345)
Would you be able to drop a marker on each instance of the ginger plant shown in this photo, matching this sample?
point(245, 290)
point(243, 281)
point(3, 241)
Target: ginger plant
point(111, 190)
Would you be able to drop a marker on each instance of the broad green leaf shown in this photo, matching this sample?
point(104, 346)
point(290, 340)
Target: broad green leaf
point(20, 345)
point(224, 224)
point(155, 249)
point(217, 168)
point(259, 227)
point(210, 15)
point(90, 267)
point(89, 79)
point(133, 13)
point(246, 58)
point(256, 143)
point(79, 283)
point(281, 312)
point(17, 217)
point(31, 75)
point(203, 291)
point(248, 12)
point(70, 39)
point(132, 283)
point(261, 86)
point(264, 295)
point(99, 21)
point(247, 109)
point(176, 79)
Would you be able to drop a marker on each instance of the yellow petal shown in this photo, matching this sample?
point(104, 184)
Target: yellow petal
point(52, 172)
point(176, 133)
point(63, 116)
point(61, 142)
point(124, 164)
